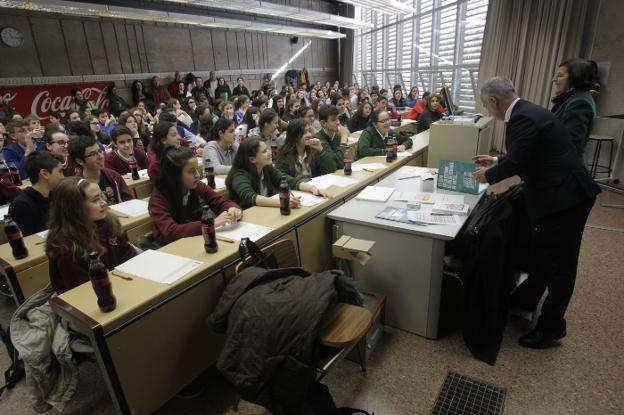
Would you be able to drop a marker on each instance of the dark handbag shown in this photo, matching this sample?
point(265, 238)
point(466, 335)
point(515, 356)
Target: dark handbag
point(252, 256)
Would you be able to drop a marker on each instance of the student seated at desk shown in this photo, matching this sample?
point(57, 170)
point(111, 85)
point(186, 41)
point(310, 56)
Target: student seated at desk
point(430, 114)
point(8, 190)
point(165, 134)
point(372, 142)
point(253, 179)
point(291, 110)
point(30, 209)
point(90, 157)
point(80, 222)
point(176, 203)
point(267, 129)
point(25, 142)
point(361, 118)
point(56, 142)
point(222, 147)
point(118, 158)
point(333, 137)
point(302, 156)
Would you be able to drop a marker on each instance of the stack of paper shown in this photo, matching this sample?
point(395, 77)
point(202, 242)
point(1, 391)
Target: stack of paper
point(132, 208)
point(412, 171)
point(450, 208)
point(306, 199)
point(418, 216)
point(367, 167)
point(375, 193)
point(241, 230)
point(424, 197)
point(219, 182)
point(328, 180)
point(158, 266)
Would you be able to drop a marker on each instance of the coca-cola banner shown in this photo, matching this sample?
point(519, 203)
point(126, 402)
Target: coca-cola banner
point(42, 99)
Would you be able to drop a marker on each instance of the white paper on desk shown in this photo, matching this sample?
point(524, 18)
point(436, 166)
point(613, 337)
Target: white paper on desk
point(142, 173)
point(427, 217)
point(158, 266)
point(483, 187)
point(4, 210)
point(412, 171)
point(430, 198)
point(367, 166)
point(219, 182)
point(375, 193)
point(352, 140)
point(133, 208)
point(43, 234)
point(323, 182)
point(241, 230)
point(306, 199)
point(404, 154)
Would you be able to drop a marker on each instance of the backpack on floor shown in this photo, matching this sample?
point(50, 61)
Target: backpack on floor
point(15, 372)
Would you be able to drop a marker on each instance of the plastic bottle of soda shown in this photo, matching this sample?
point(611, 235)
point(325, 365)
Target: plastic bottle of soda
point(274, 149)
point(347, 163)
point(98, 274)
point(389, 149)
point(395, 148)
point(15, 176)
point(5, 173)
point(284, 197)
point(15, 238)
point(208, 230)
point(209, 173)
point(133, 167)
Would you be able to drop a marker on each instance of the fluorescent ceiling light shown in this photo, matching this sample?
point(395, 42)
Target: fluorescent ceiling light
point(95, 10)
point(384, 6)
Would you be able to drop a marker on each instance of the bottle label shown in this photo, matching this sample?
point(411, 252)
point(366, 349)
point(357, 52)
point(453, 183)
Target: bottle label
point(101, 282)
point(15, 236)
point(284, 195)
point(207, 230)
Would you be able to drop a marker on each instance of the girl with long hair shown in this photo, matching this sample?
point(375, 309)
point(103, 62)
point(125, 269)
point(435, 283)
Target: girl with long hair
point(221, 147)
point(165, 134)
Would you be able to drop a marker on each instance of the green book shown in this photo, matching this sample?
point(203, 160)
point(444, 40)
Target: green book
point(457, 176)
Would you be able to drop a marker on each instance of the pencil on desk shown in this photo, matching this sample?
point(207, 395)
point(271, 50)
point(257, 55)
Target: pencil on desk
point(123, 277)
point(224, 239)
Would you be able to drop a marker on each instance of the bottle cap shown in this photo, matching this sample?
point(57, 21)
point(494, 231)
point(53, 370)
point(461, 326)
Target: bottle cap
point(94, 255)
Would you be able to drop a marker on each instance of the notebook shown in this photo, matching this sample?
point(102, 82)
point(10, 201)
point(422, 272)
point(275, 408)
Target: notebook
point(158, 266)
point(306, 199)
point(132, 208)
point(426, 197)
point(457, 176)
point(375, 194)
point(241, 230)
point(367, 167)
point(328, 180)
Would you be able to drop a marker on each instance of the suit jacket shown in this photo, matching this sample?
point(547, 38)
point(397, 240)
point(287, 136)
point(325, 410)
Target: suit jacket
point(540, 151)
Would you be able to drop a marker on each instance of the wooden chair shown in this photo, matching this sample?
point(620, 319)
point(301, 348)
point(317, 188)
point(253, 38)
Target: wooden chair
point(343, 325)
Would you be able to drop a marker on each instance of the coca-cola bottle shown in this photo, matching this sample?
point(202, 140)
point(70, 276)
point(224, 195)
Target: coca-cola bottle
point(274, 149)
point(347, 163)
point(395, 147)
point(389, 149)
point(5, 173)
point(15, 176)
point(15, 238)
point(284, 197)
point(134, 170)
point(98, 274)
point(208, 230)
point(209, 173)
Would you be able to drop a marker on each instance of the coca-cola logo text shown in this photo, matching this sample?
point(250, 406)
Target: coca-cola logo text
point(43, 103)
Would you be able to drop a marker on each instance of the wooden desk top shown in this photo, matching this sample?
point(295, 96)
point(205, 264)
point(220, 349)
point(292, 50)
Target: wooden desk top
point(135, 296)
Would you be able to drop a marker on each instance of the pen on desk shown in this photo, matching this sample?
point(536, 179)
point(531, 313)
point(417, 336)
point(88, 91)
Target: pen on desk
point(123, 277)
point(224, 239)
point(408, 177)
point(121, 216)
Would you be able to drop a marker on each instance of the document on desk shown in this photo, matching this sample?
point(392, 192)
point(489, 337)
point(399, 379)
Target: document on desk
point(428, 198)
point(132, 208)
point(241, 230)
point(219, 182)
point(306, 199)
point(411, 171)
point(404, 154)
point(43, 234)
point(142, 173)
point(419, 216)
point(158, 266)
point(4, 210)
point(375, 194)
point(328, 180)
point(367, 167)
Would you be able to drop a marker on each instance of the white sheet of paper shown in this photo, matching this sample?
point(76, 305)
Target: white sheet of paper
point(483, 187)
point(143, 173)
point(367, 166)
point(323, 182)
point(4, 210)
point(404, 154)
point(426, 217)
point(413, 171)
point(241, 230)
point(133, 208)
point(375, 193)
point(158, 266)
point(219, 182)
point(43, 234)
point(352, 140)
point(307, 199)
point(425, 197)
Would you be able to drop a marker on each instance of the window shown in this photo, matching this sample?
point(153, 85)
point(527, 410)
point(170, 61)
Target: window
point(439, 45)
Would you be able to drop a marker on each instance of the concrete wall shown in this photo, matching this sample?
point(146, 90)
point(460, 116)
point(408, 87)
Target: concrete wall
point(60, 47)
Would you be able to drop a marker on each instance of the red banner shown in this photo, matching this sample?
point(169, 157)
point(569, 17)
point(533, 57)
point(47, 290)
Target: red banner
point(42, 99)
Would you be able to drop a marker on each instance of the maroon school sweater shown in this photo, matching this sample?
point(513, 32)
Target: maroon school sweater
point(114, 162)
point(67, 272)
point(8, 191)
point(165, 229)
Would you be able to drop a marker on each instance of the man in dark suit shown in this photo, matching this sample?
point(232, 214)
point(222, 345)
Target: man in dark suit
point(559, 194)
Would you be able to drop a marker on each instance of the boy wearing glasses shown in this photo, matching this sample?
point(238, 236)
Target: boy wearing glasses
point(85, 151)
point(30, 209)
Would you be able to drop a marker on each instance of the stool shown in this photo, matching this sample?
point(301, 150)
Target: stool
point(593, 167)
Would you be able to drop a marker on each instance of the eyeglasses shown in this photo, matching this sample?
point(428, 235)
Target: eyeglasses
point(384, 121)
point(61, 143)
point(94, 154)
point(94, 122)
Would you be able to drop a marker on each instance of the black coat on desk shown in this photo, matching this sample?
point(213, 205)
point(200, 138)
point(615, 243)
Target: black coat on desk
point(539, 150)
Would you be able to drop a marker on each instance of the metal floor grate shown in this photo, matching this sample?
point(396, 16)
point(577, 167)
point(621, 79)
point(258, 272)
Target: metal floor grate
point(461, 395)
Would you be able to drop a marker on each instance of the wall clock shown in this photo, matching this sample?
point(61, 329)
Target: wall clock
point(12, 37)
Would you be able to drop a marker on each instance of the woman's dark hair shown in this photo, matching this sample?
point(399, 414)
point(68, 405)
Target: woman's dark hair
point(337, 98)
point(266, 117)
point(248, 148)
point(278, 111)
point(580, 73)
point(168, 183)
point(296, 129)
point(360, 110)
point(220, 127)
point(241, 100)
point(292, 103)
point(204, 126)
point(199, 111)
point(171, 102)
point(302, 111)
point(249, 119)
point(412, 90)
point(160, 131)
point(258, 102)
point(135, 92)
